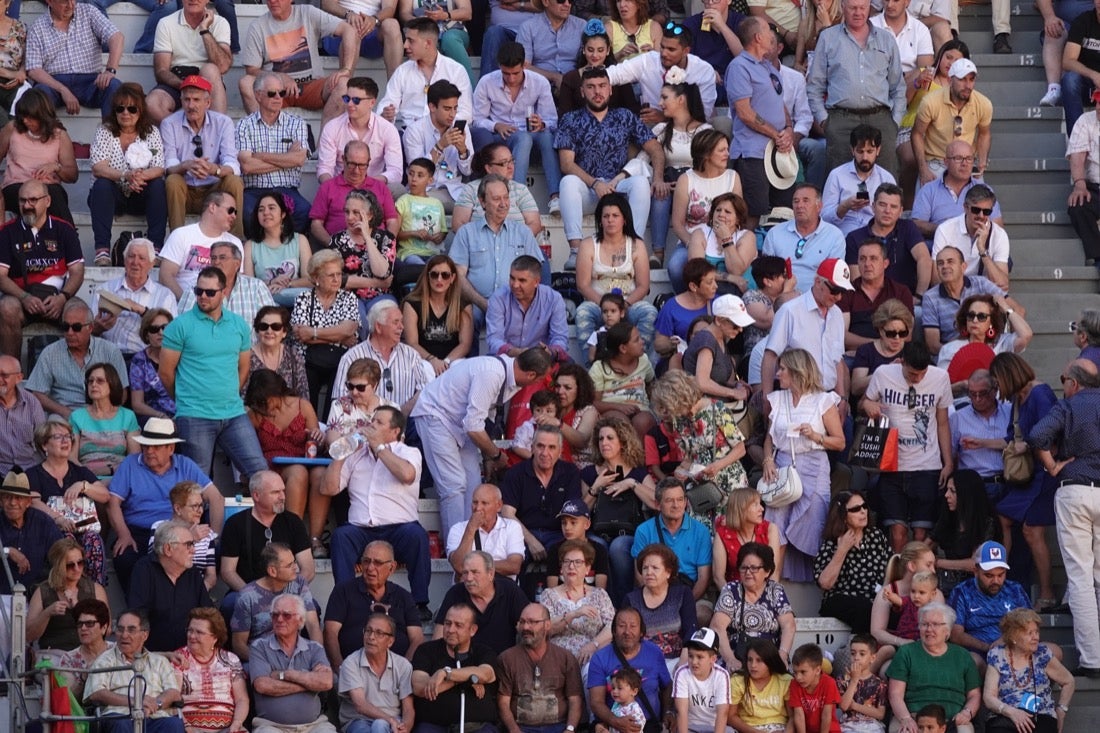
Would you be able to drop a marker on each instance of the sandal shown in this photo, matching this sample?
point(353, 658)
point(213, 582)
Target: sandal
point(318, 548)
point(1043, 605)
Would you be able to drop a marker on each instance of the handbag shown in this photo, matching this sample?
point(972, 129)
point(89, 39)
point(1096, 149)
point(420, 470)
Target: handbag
point(1019, 468)
point(495, 425)
point(704, 496)
point(322, 357)
point(81, 512)
point(786, 489)
point(615, 516)
point(876, 447)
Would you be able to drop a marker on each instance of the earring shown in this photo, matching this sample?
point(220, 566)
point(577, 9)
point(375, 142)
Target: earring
point(990, 333)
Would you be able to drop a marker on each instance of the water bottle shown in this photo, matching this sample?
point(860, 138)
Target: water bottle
point(538, 593)
point(345, 446)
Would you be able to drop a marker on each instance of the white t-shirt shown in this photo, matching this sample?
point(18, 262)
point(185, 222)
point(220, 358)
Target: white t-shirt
point(290, 46)
point(705, 696)
point(506, 538)
point(914, 40)
point(953, 232)
point(918, 429)
point(189, 248)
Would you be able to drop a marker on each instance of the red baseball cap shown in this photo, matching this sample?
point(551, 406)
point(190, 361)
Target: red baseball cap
point(195, 81)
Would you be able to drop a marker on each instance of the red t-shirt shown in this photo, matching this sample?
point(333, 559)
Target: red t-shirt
point(813, 703)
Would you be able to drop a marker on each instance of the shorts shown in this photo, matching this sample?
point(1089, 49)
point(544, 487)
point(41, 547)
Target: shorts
point(170, 91)
point(369, 48)
point(311, 94)
point(759, 195)
point(909, 497)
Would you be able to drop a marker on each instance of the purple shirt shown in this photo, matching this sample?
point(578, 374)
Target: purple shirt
point(328, 204)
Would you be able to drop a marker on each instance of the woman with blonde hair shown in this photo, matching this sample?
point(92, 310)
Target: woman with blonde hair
point(915, 557)
point(1018, 677)
point(742, 522)
point(893, 323)
point(439, 324)
point(803, 423)
point(49, 618)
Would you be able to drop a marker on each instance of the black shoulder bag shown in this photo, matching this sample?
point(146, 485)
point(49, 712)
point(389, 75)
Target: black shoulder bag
point(322, 357)
point(652, 719)
point(494, 425)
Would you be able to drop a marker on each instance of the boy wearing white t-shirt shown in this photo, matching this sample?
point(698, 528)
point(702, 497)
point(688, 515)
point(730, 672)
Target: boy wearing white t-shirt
point(700, 688)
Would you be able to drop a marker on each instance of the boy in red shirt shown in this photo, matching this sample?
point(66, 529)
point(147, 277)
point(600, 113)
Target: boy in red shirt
point(814, 699)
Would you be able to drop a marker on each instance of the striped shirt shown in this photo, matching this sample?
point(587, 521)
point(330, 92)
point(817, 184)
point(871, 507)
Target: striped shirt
point(255, 135)
point(77, 50)
point(402, 374)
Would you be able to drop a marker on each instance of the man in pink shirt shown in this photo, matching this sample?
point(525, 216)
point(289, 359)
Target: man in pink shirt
point(327, 213)
point(359, 122)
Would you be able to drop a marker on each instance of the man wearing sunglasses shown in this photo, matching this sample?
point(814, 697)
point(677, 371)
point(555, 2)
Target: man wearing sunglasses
point(983, 243)
point(359, 122)
point(244, 295)
point(978, 433)
point(957, 112)
point(187, 249)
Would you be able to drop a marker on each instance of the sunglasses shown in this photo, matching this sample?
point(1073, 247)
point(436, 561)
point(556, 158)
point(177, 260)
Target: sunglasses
point(353, 387)
point(283, 614)
point(74, 565)
point(86, 624)
point(833, 289)
point(799, 248)
point(131, 108)
point(353, 100)
point(958, 126)
point(156, 329)
point(263, 326)
point(674, 28)
point(896, 334)
point(271, 94)
point(857, 508)
point(386, 375)
point(197, 142)
point(975, 316)
point(75, 327)
point(776, 84)
point(911, 398)
point(208, 292)
point(980, 394)
point(976, 210)
point(440, 274)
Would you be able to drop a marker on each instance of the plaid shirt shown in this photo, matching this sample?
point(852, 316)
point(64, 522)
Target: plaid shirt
point(76, 51)
point(255, 135)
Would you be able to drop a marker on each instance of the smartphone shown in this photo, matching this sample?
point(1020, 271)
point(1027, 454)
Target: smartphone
point(460, 125)
point(619, 472)
point(863, 195)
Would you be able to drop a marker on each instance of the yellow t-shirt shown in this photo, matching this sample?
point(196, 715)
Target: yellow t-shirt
point(642, 38)
point(761, 707)
point(937, 110)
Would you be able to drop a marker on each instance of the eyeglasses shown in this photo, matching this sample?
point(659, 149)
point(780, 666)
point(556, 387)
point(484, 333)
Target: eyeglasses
point(981, 394)
point(750, 569)
point(283, 614)
point(911, 397)
point(440, 274)
point(32, 199)
point(131, 108)
point(958, 126)
point(572, 563)
point(61, 437)
point(931, 625)
point(1072, 329)
point(353, 387)
point(857, 508)
point(156, 329)
point(74, 564)
point(368, 561)
point(198, 505)
point(95, 380)
point(506, 161)
point(776, 84)
point(378, 632)
point(379, 607)
point(197, 142)
point(386, 374)
point(189, 544)
point(198, 632)
point(129, 629)
point(271, 93)
point(348, 99)
point(1063, 379)
point(903, 333)
point(976, 316)
point(961, 158)
point(75, 327)
point(980, 210)
point(208, 292)
point(9, 375)
point(800, 247)
point(674, 28)
point(352, 164)
point(87, 623)
point(264, 326)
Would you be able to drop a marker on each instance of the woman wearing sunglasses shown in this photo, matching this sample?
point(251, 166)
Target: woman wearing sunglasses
point(271, 351)
point(128, 166)
point(148, 397)
point(438, 324)
point(49, 618)
point(893, 323)
point(984, 319)
point(851, 561)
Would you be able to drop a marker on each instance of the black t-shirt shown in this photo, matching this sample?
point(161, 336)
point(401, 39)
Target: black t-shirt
point(432, 656)
point(496, 625)
point(350, 605)
point(537, 506)
point(166, 603)
point(1085, 32)
point(244, 539)
point(46, 485)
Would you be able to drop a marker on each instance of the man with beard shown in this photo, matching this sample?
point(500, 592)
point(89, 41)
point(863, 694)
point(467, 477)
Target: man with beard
point(630, 648)
point(958, 112)
point(848, 189)
point(982, 601)
point(540, 682)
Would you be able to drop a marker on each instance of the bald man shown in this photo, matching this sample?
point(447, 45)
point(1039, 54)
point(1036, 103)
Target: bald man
point(488, 530)
point(20, 412)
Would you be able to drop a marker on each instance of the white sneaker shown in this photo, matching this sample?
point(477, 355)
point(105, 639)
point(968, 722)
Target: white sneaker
point(570, 261)
point(555, 207)
point(1053, 97)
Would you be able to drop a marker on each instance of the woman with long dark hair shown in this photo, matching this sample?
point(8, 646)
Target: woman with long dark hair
point(966, 521)
point(851, 562)
point(37, 147)
point(595, 51)
point(439, 324)
point(758, 696)
point(621, 378)
point(274, 252)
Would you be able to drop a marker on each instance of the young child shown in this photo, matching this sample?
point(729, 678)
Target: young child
point(626, 683)
point(544, 404)
point(922, 591)
point(662, 452)
point(862, 693)
point(700, 688)
point(931, 719)
point(613, 308)
point(576, 519)
point(423, 219)
point(814, 699)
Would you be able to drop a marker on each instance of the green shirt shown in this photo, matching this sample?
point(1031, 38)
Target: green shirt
point(943, 680)
point(206, 377)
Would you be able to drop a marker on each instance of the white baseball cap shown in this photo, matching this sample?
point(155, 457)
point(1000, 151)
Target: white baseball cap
point(962, 68)
point(732, 308)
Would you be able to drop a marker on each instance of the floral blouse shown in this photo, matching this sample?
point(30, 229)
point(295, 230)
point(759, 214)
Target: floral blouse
point(106, 147)
point(13, 47)
point(761, 617)
point(1012, 684)
point(310, 312)
point(584, 629)
point(292, 368)
point(356, 261)
point(145, 377)
point(870, 691)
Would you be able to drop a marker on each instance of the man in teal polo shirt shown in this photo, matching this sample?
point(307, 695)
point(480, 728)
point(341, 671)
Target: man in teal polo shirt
point(201, 349)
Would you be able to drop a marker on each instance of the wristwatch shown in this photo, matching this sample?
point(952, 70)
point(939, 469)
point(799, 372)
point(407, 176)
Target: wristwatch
point(474, 679)
point(1063, 708)
point(447, 673)
point(282, 675)
point(570, 728)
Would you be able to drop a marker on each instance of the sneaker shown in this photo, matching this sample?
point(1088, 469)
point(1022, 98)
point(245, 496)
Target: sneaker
point(555, 207)
point(102, 259)
point(425, 613)
point(318, 548)
point(571, 261)
point(1053, 97)
point(656, 262)
point(1001, 44)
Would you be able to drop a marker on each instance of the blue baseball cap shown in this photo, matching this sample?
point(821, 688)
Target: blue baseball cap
point(574, 508)
point(992, 555)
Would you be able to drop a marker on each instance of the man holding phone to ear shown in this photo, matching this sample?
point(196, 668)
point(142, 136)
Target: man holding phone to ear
point(848, 189)
point(445, 140)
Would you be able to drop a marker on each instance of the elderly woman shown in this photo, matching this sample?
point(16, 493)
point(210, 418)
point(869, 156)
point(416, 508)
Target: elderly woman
point(580, 614)
point(38, 148)
point(893, 323)
point(325, 321)
point(984, 319)
point(93, 623)
point(851, 561)
point(147, 393)
point(439, 324)
point(742, 522)
point(187, 508)
point(367, 248)
point(1018, 675)
point(725, 242)
point(271, 350)
point(213, 687)
point(128, 166)
point(49, 618)
point(754, 607)
point(933, 670)
point(667, 606)
point(104, 430)
point(707, 357)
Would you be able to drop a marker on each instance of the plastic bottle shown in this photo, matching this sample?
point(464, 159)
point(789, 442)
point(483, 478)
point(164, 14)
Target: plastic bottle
point(345, 446)
point(538, 593)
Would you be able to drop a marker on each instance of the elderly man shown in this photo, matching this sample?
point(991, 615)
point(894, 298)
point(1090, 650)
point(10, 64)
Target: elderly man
point(351, 603)
point(252, 610)
point(540, 683)
point(113, 691)
point(382, 479)
point(497, 602)
point(187, 249)
point(933, 670)
point(444, 138)
point(909, 261)
point(139, 493)
point(200, 152)
point(489, 244)
point(593, 149)
point(287, 41)
point(403, 374)
point(20, 414)
point(982, 601)
point(527, 313)
point(193, 40)
point(684, 535)
point(327, 212)
point(984, 243)
point(649, 69)
point(1083, 152)
point(453, 410)
point(359, 122)
point(201, 347)
point(855, 79)
point(487, 529)
point(272, 146)
point(806, 240)
point(376, 684)
point(629, 648)
point(551, 42)
point(138, 291)
point(289, 674)
point(65, 60)
point(166, 586)
point(942, 199)
point(955, 112)
point(915, 397)
point(406, 96)
point(942, 302)
point(846, 197)
point(978, 433)
point(244, 295)
point(41, 266)
point(57, 379)
point(870, 290)
point(1066, 439)
point(26, 534)
point(455, 673)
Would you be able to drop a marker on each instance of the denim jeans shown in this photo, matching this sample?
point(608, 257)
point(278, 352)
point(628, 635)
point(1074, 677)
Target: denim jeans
point(106, 199)
point(300, 213)
point(126, 725)
point(643, 315)
point(660, 213)
point(495, 37)
point(812, 152)
point(621, 580)
point(455, 45)
point(577, 199)
point(84, 89)
point(235, 435)
point(455, 466)
point(520, 143)
point(410, 546)
point(363, 725)
point(1075, 90)
point(675, 261)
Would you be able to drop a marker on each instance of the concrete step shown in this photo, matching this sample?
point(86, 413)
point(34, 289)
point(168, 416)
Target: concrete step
point(1028, 193)
point(1012, 145)
point(1054, 279)
point(1049, 253)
